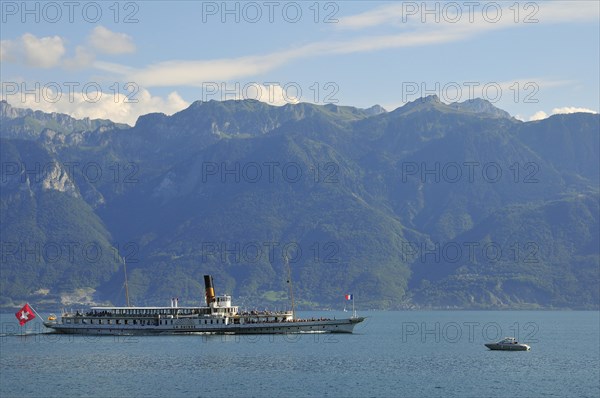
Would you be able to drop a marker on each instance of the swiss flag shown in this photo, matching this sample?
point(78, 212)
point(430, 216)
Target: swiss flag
point(25, 314)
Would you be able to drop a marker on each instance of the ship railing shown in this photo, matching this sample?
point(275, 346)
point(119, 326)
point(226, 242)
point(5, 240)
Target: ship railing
point(73, 314)
point(265, 313)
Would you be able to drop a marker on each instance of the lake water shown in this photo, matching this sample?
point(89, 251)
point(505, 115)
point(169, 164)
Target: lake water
point(391, 354)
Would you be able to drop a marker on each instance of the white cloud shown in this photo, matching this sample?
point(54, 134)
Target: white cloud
point(99, 105)
point(196, 73)
point(571, 109)
point(82, 59)
point(278, 95)
point(173, 73)
point(7, 53)
point(539, 115)
point(45, 52)
point(375, 17)
point(108, 42)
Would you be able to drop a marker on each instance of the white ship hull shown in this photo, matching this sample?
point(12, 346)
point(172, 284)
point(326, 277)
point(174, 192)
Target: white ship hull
point(189, 326)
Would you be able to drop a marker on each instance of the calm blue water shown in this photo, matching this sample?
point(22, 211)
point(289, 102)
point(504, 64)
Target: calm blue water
point(413, 354)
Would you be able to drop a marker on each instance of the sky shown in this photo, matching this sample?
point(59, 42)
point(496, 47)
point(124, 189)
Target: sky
point(120, 60)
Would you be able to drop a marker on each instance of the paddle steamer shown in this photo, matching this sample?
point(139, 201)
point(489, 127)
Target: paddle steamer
point(219, 316)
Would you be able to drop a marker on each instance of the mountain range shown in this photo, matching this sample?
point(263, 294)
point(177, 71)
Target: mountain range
point(431, 205)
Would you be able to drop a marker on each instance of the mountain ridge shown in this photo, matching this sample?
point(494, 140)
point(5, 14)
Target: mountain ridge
point(357, 191)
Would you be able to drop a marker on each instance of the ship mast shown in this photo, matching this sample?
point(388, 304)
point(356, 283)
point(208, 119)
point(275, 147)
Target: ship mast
point(126, 285)
point(289, 281)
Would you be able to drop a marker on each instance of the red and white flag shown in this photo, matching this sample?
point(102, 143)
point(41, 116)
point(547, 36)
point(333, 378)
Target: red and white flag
point(25, 314)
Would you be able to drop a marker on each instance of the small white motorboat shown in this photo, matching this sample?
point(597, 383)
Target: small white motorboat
point(508, 344)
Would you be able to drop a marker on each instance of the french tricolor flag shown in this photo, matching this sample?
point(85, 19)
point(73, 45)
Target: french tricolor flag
point(349, 297)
